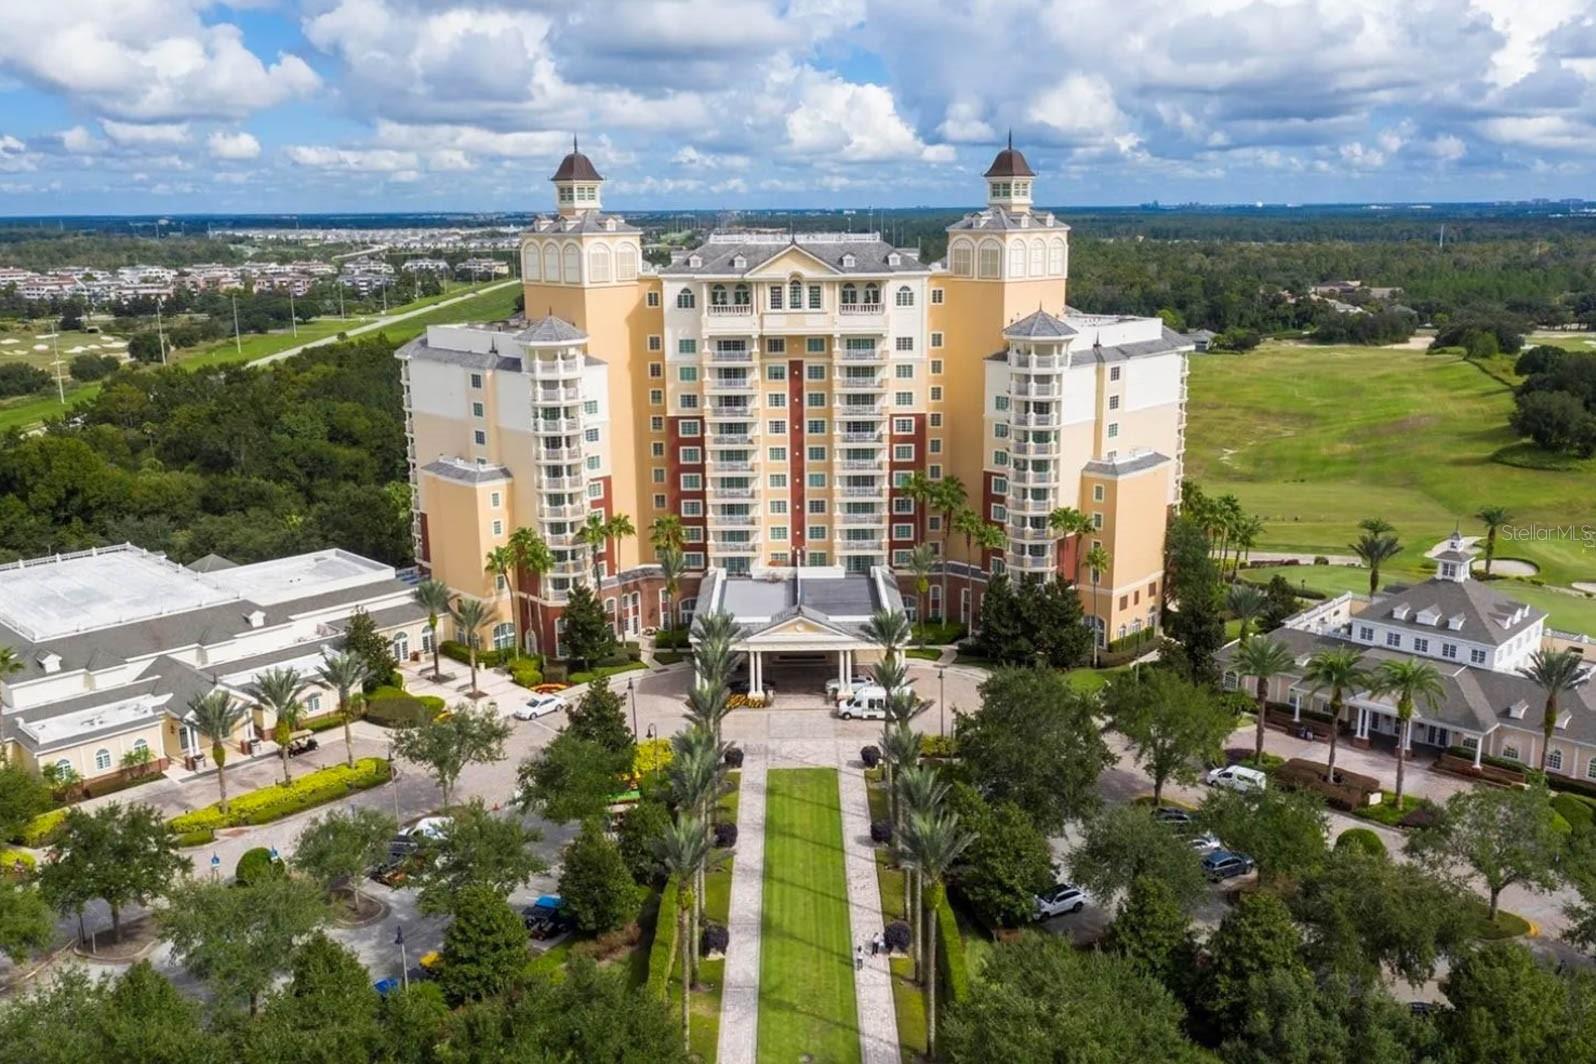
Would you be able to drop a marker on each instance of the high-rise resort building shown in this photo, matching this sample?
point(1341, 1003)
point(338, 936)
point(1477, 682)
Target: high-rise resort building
point(779, 392)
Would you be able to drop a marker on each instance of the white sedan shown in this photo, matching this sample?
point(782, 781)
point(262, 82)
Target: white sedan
point(539, 706)
point(1064, 898)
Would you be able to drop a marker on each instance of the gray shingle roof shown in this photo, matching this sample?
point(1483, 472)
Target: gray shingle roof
point(1038, 325)
point(482, 360)
point(718, 257)
point(465, 472)
point(999, 219)
point(551, 330)
point(1487, 615)
point(1123, 466)
point(591, 222)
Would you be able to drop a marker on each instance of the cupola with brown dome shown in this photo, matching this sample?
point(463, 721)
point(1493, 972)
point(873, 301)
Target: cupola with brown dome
point(576, 184)
point(1008, 180)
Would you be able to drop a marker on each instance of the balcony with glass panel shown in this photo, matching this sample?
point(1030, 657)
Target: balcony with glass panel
point(730, 382)
point(1020, 362)
point(555, 426)
point(1034, 420)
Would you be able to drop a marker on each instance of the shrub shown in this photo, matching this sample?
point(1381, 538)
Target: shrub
point(898, 937)
point(1320, 559)
point(397, 711)
point(1362, 840)
point(952, 965)
point(937, 746)
point(662, 955)
point(725, 836)
point(277, 801)
point(1424, 816)
point(1580, 812)
point(1133, 641)
point(714, 939)
point(257, 865)
point(486, 659)
point(734, 757)
point(525, 672)
point(881, 831)
point(651, 756)
point(938, 633)
point(17, 863)
point(201, 837)
point(43, 829)
point(871, 756)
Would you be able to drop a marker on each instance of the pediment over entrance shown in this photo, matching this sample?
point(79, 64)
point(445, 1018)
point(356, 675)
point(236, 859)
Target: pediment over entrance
point(792, 260)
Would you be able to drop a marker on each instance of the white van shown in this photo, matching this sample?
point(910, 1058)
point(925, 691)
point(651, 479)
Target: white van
point(868, 702)
point(1237, 778)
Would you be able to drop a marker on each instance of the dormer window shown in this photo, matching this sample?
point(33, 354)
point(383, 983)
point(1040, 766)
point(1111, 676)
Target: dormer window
point(50, 662)
point(1518, 709)
point(1449, 570)
point(1429, 615)
point(893, 259)
point(609, 225)
point(1563, 719)
point(1455, 622)
point(739, 262)
point(256, 618)
point(1400, 612)
point(695, 261)
point(849, 262)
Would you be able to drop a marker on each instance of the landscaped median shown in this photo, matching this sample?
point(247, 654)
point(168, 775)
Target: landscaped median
point(279, 800)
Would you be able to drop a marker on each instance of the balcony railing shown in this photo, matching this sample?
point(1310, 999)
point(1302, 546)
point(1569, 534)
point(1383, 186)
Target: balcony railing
point(730, 384)
point(874, 354)
point(860, 411)
point(558, 483)
point(1029, 534)
point(1033, 447)
point(730, 310)
point(861, 465)
point(861, 384)
point(731, 439)
point(556, 368)
point(1018, 504)
point(547, 396)
point(875, 436)
point(553, 426)
point(1037, 363)
point(1030, 563)
point(720, 546)
point(732, 520)
point(733, 493)
point(746, 355)
point(876, 519)
point(573, 511)
point(1034, 421)
point(1037, 391)
point(1032, 478)
point(849, 310)
point(856, 492)
point(559, 454)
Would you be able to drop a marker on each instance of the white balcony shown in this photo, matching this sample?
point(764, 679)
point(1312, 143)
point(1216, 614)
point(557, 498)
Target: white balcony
point(713, 383)
point(857, 312)
point(731, 439)
point(1032, 478)
point(875, 354)
point(1034, 421)
point(874, 436)
point(860, 411)
point(861, 465)
point(875, 383)
point(1029, 448)
point(732, 493)
point(726, 546)
point(730, 319)
point(556, 369)
point(1036, 390)
point(1029, 534)
point(546, 396)
point(875, 520)
point(573, 511)
point(1038, 363)
point(730, 310)
point(559, 454)
point(720, 520)
point(1018, 504)
point(731, 412)
point(854, 491)
point(559, 483)
point(555, 426)
point(562, 539)
point(1030, 563)
point(745, 357)
point(741, 466)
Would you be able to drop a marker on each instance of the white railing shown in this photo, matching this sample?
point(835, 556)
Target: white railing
point(874, 354)
point(745, 355)
point(555, 425)
point(1037, 363)
point(730, 384)
point(850, 309)
point(1035, 421)
point(730, 310)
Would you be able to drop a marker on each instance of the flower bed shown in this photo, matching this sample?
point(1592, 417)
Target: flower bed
point(277, 801)
point(1491, 770)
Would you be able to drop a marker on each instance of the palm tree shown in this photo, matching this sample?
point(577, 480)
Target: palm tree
point(1493, 517)
point(1248, 529)
point(343, 673)
point(921, 791)
point(1097, 559)
point(695, 779)
point(616, 527)
point(966, 522)
point(532, 556)
point(1376, 526)
point(433, 596)
point(217, 716)
point(1555, 672)
point(665, 533)
point(470, 615)
point(682, 849)
point(922, 560)
point(672, 564)
point(1373, 549)
point(1263, 659)
point(889, 630)
point(1245, 601)
point(707, 704)
point(921, 489)
point(279, 691)
point(900, 750)
point(501, 563)
point(933, 842)
point(1227, 517)
point(11, 663)
point(1068, 522)
point(1339, 670)
point(990, 537)
point(1411, 681)
point(593, 536)
point(946, 496)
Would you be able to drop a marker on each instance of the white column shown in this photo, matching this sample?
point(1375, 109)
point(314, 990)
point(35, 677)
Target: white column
point(1479, 745)
point(1296, 711)
point(842, 672)
point(1407, 738)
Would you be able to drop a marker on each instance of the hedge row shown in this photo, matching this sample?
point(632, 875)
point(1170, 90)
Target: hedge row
point(277, 800)
point(486, 659)
point(952, 965)
point(402, 710)
point(1134, 641)
point(1578, 810)
point(42, 829)
point(662, 955)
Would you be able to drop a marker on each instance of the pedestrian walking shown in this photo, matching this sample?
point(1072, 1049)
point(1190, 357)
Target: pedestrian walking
point(878, 944)
point(858, 957)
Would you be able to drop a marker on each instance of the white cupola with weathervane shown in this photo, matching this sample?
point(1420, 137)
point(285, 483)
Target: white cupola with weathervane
point(577, 185)
point(1454, 558)
point(1008, 181)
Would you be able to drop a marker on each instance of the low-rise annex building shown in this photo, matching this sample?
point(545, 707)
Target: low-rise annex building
point(114, 642)
point(1478, 640)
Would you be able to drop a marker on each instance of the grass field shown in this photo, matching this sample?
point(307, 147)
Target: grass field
point(806, 997)
point(705, 1006)
point(908, 997)
point(1314, 439)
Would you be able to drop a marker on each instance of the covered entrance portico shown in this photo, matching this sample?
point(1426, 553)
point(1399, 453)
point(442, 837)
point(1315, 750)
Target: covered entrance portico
point(1376, 724)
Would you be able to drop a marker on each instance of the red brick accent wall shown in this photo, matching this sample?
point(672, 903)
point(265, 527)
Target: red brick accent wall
point(675, 468)
point(917, 437)
point(426, 544)
point(798, 506)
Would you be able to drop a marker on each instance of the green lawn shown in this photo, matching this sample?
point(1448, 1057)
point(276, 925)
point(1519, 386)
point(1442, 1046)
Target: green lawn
point(705, 1006)
point(806, 998)
point(908, 997)
point(1315, 438)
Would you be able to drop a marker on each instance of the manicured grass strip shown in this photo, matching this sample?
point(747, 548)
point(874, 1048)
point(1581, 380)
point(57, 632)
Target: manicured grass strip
point(705, 1006)
point(806, 994)
point(908, 997)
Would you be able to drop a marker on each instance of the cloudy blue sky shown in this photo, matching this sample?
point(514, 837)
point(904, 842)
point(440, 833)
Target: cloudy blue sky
point(132, 106)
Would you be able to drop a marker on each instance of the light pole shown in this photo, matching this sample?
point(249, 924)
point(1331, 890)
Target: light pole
point(404, 963)
point(393, 782)
point(942, 701)
point(631, 693)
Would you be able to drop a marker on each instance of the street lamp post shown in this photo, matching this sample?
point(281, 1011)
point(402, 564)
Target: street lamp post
point(393, 783)
point(404, 963)
point(942, 702)
point(631, 693)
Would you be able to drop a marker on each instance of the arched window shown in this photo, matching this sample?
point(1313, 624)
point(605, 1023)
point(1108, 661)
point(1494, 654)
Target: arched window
point(795, 294)
point(1055, 257)
point(717, 295)
point(598, 263)
point(741, 295)
point(962, 257)
point(572, 265)
point(850, 295)
point(991, 259)
point(1017, 260)
point(685, 300)
point(140, 744)
point(551, 263)
point(905, 297)
point(503, 635)
point(102, 760)
point(1038, 258)
point(401, 645)
point(63, 768)
point(626, 263)
point(532, 264)
point(872, 294)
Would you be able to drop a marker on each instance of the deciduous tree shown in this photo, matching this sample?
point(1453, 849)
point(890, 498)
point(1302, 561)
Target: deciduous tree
point(595, 882)
point(476, 848)
point(1173, 726)
point(444, 746)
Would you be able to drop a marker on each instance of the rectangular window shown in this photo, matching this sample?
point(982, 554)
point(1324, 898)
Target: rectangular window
point(656, 423)
point(778, 454)
point(1113, 429)
point(1365, 633)
point(498, 528)
point(776, 291)
point(902, 398)
point(1000, 403)
point(655, 397)
point(1000, 513)
point(691, 426)
point(656, 370)
point(815, 454)
point(1113, 402)
point(480, 437)
point(1421, 645)
point(817, 506)
point(1477, 656)
point(903, 452)
point(777, 345)
point(776, 400)
point(590, 407)
point(815, 427)
point(815, 371)
point(816, 532)
point(652, 299)
point(815, 345)
point(1000, 485)
point(593, 462)
point(1113, 373)
point(1393, 639)
point(902, 531)
point(904, 343)
point(777, 427)
point(692, 456)
point(936, 341)
point(814, 297)
point(778, 533)
point(903, 426)
point(936, 295)
point(476, 380)
point(693, 559)
point(687, 401)
point(692, 508)
point(1448, 650)
point(775, 371)
point(659, 502)
point(902, 504)
point(655, 343)
point(936, 393)
point(657, 474)
point(495, 499)
point(1097, 493)
point(692, 482)
point(936, 445)
point(687, 374)
point(478, 410)
point(936, 421)
point(778, 507)
point(687, 346)
point(904, 371)
point(590, 435)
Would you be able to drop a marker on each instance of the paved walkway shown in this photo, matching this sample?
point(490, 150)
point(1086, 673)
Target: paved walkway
point(739, 994)
point(878, 1019)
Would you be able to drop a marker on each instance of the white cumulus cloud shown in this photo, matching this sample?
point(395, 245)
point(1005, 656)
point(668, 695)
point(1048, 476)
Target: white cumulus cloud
point(237, 146)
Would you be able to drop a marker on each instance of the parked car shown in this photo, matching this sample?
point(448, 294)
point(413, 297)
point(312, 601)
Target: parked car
point(546, 917)
point(428, 827)
point(1237, 778)
point(1064, 898)
point(1205, 843)
point(1168, 814)
point(835, 687)
point(539, 706)
point(1221, 865)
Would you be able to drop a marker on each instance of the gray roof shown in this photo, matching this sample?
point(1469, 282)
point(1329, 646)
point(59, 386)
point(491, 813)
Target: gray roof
point(1120, 466)
point(576, 167)
point(829, 600)
point(1000, 219)
point(717, 257)
point(1169, 341)
point(1038, 325)
point(1487, 615)
point(388, 616)
point(590, 222)
point(465, 472)
point(212, 563)
point(551, 330)
point(1201, 334)
point(482, 360)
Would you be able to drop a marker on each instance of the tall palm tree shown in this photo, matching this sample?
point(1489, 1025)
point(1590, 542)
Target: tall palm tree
point(900, 750)
point(947, 496)
point(1493, 517)
point(922, 560)
point(1263, 659)
point(933, 843)
point(921, 792)
point(1556, 672)
point(279, 690)
point(217, 716)
point(665, 533)
point(594, 537)
point(1340, 671)
point(695, 780)
point(966, 522)
point(1411, 681)
point(1067, 522)
point(343, 673)
point(1248, 529)
point(990, 537)
point(672, 564)
point(919, 488)
point(1245, 601)
point(433, 596)
point(532, 557)
point(889, 630)
point(500, 562)
point(707, 704)
point(1228, 516)
point(682, 849)
point(470, 615)
point(1376, 526)
point(1374, 549)
point(1097, 559)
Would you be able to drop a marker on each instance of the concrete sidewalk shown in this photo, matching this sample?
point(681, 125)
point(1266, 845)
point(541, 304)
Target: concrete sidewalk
point(739, 995)
point(878, 1018)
